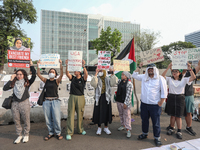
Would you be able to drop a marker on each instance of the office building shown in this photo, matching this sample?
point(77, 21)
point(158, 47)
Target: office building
point(194, 38)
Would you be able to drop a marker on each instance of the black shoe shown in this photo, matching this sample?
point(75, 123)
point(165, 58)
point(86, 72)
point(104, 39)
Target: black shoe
point(157, 142)
point(142, 136)
point(170, 131)
point(179, 135)
point(190, 131)
point(169, 127)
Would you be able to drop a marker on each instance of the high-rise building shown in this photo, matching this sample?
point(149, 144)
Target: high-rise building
point(194, 38)
point(63, 31)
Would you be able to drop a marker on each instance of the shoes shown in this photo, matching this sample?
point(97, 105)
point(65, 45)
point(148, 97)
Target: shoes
point(157, 142)
point(84, 133)
point(142, 136)
point(18, 140)
point(107, 131)
point(190, 131)
point(179, 135)
point(128, 134)
point(121, 128)
point(68, 137)
point(169, 127)
point(25, 139)
point(98, 131)
point(170, 131)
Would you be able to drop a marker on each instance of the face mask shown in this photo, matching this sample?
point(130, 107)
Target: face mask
point(100, 74)
point(51, 75)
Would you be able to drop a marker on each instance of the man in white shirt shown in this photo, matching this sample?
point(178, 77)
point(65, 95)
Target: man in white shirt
point(153, 94)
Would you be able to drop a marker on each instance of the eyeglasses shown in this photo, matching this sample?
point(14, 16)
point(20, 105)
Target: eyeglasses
point(174, 71)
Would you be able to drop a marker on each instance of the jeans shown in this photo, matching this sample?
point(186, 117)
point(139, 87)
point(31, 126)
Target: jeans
point(52, 116)
point(154, 112)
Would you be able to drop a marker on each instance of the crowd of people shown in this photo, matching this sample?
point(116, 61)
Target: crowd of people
point(155, 89)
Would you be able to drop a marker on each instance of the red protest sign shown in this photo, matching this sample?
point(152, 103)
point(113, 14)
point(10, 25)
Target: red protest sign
point(19, 59)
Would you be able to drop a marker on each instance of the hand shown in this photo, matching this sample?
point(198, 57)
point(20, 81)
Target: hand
point(60, 61)
point(38, 63)
point(189, 66)
point(66, 62)
point(13, 76)
point(125, 106)
point(160, 103)
point(97, 71)
point(31, 63)
point(169, 66)
point(141, 64)
point(83, 63)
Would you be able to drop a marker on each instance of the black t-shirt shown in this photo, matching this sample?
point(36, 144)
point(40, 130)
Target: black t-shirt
point(189, 88)
point(77, 86)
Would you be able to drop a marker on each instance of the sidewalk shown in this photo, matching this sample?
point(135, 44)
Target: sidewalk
point(91, 141)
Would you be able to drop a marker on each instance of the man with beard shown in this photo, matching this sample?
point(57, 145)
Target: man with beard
point(153, 94)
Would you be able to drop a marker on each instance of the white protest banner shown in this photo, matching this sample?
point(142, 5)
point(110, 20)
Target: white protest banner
point(75, 60)
point(152, 56)
point(121, 65)
point(179, 59)
point(104, 60)
point(49, 61)
point(193, 53)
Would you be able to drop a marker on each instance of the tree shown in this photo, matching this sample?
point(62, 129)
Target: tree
point(168, 49)
point(108, 41)
point(12, 14)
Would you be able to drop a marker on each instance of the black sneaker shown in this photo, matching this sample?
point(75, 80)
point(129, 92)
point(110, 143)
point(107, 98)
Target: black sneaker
point(169, 127)
point(157, 142)
point(170, 131)
point(179, 135)
point(190, 131)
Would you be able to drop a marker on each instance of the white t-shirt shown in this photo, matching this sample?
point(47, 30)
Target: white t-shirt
point(176, 86)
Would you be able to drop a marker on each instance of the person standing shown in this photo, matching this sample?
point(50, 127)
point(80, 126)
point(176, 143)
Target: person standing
point(123, 99)
point(153, 94)
point(76, 100)
point(102, 107)
point(51, 104)
point(20, 106)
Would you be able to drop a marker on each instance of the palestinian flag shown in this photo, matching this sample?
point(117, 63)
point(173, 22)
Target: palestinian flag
point(128, 54)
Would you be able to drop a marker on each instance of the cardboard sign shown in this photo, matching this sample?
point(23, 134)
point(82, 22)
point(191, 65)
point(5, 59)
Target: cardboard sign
point(75, 60)
point(193, 53)
point(179, 59)
point(104, 60)
point(49, 61)
point(152, 56)
point(19, 59)
point(121, 65)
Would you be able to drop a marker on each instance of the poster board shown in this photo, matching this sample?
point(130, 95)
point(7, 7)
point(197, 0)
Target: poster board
point(121, 65)
point(49, 61)
point(75, 60)
point(152, 56)
point(104, 60)
point(34, 96)
point(193, 54)
point(179, 59)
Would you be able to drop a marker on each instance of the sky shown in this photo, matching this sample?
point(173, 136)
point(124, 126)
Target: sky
point(172, 18)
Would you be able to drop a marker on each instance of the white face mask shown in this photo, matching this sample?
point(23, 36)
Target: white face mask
point(51, 75)
point(100, 74)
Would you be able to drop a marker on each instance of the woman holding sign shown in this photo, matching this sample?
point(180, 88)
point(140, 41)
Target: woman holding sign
point(175, 106)
point(102, 107)
point(20, 102)
point(51, 104)
point(76, 100)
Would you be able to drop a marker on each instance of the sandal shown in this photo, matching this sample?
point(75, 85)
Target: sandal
point(142, 136)
point(48, 137)
point(59, 137)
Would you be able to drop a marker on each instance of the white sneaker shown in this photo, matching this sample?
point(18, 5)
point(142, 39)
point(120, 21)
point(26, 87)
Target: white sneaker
point(107, 131)
point(128, 134)
point(18, 140)
point(121, 128)
point(25, 139)
point(98, 131)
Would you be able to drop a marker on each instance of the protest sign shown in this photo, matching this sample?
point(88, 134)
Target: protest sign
point(179, 59)
point(49, 61)
point(34, 98)
point(75, 60)
point(152, 56)
point(19, 59)
point(121, 65)
point(193, 53)
point(104, 60)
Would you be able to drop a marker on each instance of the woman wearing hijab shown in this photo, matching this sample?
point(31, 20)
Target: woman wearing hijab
point(51, 104)
point(76, 100)
point(20, 106)
point(18, 45)
point(123, 99)
point(102, 106)
point(175, 106)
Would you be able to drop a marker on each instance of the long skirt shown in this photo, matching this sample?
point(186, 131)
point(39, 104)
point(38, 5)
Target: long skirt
point(102, 112)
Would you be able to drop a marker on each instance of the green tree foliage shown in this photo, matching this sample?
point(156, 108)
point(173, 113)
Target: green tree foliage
point(12, 14)
point(108, 41)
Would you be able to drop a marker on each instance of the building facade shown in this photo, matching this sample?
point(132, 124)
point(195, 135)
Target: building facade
point(63, 31)
point(194, 38)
